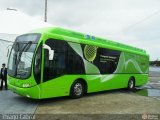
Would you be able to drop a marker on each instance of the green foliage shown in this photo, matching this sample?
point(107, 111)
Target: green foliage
point(155, 63)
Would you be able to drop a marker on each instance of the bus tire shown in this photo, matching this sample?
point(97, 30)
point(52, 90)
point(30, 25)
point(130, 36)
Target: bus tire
point(77, 89)
point(131, 84)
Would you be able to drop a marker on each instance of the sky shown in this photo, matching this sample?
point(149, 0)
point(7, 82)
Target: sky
point(133, 22)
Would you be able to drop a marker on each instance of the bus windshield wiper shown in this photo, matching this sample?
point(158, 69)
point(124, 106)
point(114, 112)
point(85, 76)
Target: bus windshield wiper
point(25, 48)
point(16, 45)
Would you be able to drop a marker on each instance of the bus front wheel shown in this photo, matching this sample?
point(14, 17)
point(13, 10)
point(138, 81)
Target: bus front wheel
point(77, 89)
point(131, 83)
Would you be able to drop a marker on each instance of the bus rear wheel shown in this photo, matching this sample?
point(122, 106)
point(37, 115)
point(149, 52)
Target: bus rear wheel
point(77, 89)
point(131, 84)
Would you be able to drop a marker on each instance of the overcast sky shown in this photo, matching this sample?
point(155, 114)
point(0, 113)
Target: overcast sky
point(134, 22)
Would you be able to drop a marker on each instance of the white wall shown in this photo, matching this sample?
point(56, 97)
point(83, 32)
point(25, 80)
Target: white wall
point(6, 42)
point(4, 45)
point(8, 37)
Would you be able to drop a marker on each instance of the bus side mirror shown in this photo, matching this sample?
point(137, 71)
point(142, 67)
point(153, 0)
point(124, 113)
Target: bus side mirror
point(51, 52)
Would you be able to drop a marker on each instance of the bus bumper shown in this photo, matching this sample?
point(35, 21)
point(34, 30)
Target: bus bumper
point(31, 92)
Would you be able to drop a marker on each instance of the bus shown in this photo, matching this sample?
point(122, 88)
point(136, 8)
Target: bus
point(53, 62)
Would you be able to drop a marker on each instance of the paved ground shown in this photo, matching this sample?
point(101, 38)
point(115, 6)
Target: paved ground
point(144, 100)
point(102, 103)
point(11, 103)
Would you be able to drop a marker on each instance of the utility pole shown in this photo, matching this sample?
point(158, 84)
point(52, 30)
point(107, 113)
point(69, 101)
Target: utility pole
point(45, 14)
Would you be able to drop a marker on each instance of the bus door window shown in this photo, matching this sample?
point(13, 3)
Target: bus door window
point(37, 64)
point(56, 67)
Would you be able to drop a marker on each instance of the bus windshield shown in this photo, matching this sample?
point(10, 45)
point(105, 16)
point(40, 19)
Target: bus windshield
point(20, 60)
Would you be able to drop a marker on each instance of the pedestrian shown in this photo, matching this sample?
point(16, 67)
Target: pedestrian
point(3, 76)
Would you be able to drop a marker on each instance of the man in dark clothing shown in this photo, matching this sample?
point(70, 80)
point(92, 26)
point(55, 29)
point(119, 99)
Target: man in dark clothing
point(3, 76)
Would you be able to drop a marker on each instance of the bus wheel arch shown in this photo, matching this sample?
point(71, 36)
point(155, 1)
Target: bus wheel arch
point(131, 83)
point(82, 84)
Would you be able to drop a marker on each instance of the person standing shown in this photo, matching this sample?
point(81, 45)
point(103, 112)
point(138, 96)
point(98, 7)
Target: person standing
point(3, 76)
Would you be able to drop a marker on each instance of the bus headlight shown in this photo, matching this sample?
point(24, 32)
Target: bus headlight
point(28, 96)
point(26, 85)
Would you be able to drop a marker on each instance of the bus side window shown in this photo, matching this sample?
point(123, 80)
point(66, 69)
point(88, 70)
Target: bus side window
point(56, 67)
point(37, 64)
point(74, 62)
point(107, 60)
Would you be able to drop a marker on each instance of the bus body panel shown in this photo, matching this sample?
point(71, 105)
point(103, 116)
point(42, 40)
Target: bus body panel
point(94, 84)
point(61, 86)
point(32, 92)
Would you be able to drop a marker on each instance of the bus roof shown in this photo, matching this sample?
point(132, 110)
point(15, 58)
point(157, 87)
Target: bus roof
point(89, 38)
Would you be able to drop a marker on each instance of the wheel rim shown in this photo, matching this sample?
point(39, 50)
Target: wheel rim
point(131, 84)
point(78, 89)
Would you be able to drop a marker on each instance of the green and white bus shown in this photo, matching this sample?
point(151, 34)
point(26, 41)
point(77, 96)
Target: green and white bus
point(53, 62)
